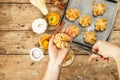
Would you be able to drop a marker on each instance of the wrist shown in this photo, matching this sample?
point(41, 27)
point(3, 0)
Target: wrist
point(55, 61)
point(54, 64)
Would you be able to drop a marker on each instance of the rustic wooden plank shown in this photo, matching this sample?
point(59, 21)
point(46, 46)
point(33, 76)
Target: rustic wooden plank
point(21, 16)
point(24, 1)
point(21, 42)
point(21, 67)
point(117, 20)
point(17, 42)
point(18, 1)
point(14, 0)
point(115, 37)
point(84, 70)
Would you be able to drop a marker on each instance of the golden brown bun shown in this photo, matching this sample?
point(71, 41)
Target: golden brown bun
point(101, 24)
point(90, 37)
point(72, 14)
point(99, 9)
point(75, 30)
point(62, 40)
point(85, 20)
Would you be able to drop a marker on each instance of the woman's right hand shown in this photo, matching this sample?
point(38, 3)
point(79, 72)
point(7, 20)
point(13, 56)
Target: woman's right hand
point(106, 50)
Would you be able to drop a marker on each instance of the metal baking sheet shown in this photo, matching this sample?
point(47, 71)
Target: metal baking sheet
point(85, 7)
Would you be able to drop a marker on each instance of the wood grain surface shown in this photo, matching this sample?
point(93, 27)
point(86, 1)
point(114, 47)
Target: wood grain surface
point(21, 16)
point(21, 42)
point(20, 67)
point(17, 39)
point(24, 1)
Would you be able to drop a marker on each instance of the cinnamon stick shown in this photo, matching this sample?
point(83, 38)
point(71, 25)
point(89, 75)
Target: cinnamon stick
point(58, 4)
point(59, 28)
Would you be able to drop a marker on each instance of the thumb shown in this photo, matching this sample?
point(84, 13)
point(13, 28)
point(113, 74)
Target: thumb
point(51, 41)
point(93, 56)
point(95, 48)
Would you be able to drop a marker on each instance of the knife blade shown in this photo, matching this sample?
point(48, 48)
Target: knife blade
point(114, 1)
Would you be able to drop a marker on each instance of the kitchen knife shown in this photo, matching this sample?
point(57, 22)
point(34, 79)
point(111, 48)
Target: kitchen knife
point(114, 1)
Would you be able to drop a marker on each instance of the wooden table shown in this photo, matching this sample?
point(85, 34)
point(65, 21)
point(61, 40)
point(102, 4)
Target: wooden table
point(17, 39)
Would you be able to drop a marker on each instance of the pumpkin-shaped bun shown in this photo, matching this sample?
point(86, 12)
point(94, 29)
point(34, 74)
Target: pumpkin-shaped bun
point(101, 24)
point(62, 40)
point(90, 37)
point(85, 20)
point(75, 30)
point(99, 9)
point(53, 19)
point(72, 14)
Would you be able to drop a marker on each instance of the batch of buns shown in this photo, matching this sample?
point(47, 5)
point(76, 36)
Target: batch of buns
point(72, 14)
point(62, 40)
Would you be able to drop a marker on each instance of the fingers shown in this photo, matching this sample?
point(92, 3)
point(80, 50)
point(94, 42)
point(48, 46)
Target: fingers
point(67, 31)
point(95, 47)
point(106, 59)
point(51, 42)
point(63, 30)
point(93, 56)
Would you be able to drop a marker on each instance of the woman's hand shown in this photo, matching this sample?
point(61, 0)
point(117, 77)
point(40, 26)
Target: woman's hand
point(57, 55)
point(56, 58)
point(105, 49)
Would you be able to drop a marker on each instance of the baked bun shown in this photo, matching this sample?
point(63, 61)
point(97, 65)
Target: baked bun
point(101, 24)
point(99, 9)
point(72, 14)
point(90, 37)
point(62, 40)
point(85, 20)
point(75, 30)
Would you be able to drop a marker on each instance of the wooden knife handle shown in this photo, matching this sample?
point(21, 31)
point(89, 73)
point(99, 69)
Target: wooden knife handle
point(59, 28)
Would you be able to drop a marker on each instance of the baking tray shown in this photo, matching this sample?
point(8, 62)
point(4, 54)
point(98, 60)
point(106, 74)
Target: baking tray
point(85, 7)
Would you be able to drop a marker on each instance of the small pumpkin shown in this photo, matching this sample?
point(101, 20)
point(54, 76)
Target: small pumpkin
point(53, 19)
point(45, 44)
point(44, 41)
